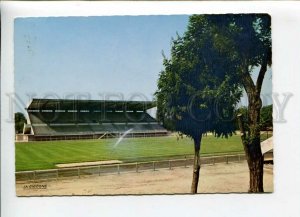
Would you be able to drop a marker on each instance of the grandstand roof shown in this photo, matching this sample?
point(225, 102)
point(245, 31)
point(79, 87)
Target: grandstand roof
point(51, 104)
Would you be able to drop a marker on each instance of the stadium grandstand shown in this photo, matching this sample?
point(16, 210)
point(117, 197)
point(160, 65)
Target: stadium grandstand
point(57, 119)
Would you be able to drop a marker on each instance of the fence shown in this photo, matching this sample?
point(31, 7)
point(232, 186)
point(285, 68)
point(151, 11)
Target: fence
point(80, 136)
point(55, 174)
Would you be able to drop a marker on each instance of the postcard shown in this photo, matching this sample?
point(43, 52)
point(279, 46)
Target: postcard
point(136, 103)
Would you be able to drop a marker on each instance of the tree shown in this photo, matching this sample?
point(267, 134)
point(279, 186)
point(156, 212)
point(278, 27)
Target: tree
point(266, 117)
point(243, 112)
point(195, 95)
point(20, 120)
point(244, 40)
point(211, 62)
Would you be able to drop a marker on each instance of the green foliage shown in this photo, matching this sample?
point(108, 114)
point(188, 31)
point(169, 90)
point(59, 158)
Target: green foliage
point(201, 82)
point(244, 112)
point(20, 120)
point(266, 118)
point(196, 91)
point(209, 64)
point(247, 36)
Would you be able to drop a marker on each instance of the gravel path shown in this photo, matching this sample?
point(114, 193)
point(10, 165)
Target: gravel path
point(219, 178)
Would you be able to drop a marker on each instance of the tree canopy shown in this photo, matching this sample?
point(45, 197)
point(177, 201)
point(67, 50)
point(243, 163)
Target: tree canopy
point(201, 81)
point(19, 122)
point(266, 117)
point(196, 93)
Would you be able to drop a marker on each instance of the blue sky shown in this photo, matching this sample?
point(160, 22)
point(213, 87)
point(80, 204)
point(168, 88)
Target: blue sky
point(94, 55)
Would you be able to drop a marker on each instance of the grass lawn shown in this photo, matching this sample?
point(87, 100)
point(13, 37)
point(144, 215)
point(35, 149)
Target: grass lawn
point(44, 155)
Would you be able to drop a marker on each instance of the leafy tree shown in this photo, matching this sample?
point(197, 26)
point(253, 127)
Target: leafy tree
point(248, 44)
point(195, 95)
point(214, 58)
point(20, 120)
point(266, 117)
point(246, 39)
point(243, 112)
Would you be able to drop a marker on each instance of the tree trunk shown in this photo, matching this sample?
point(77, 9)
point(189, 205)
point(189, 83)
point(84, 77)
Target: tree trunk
point(196, 169)
point(256, 167)
point(251, 143)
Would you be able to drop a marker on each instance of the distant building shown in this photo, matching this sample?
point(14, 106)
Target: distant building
point(53, 119)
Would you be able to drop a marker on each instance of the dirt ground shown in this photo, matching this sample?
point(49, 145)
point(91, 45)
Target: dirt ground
point(219, 178)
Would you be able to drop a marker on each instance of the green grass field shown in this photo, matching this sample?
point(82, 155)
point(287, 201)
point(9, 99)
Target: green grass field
point(44, 155)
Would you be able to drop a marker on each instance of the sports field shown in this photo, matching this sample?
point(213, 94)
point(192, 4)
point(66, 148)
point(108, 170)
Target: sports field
point(45, 155)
